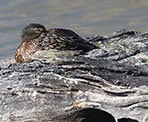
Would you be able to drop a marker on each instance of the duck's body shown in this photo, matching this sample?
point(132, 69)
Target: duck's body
point(36, 38)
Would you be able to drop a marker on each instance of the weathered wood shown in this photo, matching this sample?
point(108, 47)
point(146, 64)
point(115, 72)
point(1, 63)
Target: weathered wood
point(103, 85)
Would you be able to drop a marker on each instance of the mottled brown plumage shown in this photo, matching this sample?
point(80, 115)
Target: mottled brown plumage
point(35, 38)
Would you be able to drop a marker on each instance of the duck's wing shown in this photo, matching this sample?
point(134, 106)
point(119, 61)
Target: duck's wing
point(68, 39)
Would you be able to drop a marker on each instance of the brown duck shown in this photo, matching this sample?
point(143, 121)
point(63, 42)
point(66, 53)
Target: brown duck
point(35, 37)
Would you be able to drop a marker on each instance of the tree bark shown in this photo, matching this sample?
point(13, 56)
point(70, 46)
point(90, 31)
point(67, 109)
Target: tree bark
point(109, 84)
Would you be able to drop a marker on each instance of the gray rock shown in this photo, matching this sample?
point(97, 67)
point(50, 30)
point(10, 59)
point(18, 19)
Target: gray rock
point(109, 84)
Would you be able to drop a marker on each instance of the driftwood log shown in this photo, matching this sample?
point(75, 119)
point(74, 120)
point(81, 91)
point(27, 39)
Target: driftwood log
point(109, 84)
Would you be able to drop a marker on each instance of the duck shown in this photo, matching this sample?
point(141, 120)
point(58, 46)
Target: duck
point(35, 38)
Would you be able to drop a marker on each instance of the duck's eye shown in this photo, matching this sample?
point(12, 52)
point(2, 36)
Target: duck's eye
point(41, 29)
point(37, 29)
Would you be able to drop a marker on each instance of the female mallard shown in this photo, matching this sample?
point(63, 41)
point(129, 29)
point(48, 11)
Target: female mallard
point(35, 38)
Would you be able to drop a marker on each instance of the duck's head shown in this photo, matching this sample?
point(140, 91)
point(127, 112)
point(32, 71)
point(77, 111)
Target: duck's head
point(32, 31)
